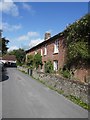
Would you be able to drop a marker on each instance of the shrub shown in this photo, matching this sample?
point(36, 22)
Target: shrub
point(30, 60)
point(48, 67)
point(33, 61)
point(65, 73)
point(37, 60)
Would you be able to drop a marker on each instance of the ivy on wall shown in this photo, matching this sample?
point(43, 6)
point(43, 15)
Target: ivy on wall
point(77, 38)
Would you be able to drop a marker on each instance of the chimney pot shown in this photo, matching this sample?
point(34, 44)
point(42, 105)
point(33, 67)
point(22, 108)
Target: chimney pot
point(47, 35)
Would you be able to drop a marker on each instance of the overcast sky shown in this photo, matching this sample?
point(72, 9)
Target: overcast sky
point(25, 23)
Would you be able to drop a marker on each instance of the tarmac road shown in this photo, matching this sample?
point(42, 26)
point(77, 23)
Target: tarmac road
point(24, 97)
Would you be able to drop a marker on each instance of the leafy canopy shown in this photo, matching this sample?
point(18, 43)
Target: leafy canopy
point(20, 55)
point(77, 36)
point(3, 44)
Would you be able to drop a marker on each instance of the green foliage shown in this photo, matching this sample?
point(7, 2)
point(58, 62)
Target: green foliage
point(20, 55)
point(34, 60)
point(77, 36)
point(37, 60)
point(30, 60)
point(78, 30)
point(65, 73)
point(3, 44)
point(48, 67)
point(79, 102)
point(78, 50)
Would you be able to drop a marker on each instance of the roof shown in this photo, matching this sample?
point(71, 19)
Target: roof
point(46, 41)
point(9, 57)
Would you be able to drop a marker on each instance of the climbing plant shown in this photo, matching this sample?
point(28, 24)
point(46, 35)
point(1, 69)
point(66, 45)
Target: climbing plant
point(77, 40)
point(34, 60)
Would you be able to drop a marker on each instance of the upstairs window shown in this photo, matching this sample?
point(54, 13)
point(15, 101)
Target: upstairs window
point(45, 50)
point(56, 46)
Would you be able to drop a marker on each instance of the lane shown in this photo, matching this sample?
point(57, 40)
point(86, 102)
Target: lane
point(24, 97)
point(0, 100)
point(0, 93)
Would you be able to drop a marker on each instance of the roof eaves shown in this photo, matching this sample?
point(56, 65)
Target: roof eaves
point(52, 38)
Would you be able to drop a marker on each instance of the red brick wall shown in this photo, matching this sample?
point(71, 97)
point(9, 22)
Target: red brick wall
point(60, 57)
point(79, 74)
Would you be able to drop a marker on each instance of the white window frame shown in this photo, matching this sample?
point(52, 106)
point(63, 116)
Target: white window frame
point(35, 52)
point(41, 52)
point(56, 46)
point(55, 65)
point(45, 50)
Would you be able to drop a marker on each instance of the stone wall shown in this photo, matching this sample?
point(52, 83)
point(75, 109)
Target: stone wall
point(23, 69)
point(69, 87)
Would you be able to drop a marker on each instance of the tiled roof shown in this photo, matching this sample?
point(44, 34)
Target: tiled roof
point(46, 41)
point(9, 57)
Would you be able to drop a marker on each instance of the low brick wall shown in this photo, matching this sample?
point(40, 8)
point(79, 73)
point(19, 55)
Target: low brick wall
point(69, 87)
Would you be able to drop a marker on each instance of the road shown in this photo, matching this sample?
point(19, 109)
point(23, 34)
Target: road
point(0, 93)
point(24, 97)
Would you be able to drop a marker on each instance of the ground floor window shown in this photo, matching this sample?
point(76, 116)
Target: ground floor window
point(55, 65)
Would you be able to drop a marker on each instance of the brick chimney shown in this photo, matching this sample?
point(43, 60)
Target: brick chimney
point(47, 35)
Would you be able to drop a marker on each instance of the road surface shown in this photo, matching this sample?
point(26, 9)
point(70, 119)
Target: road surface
point(0, 93)
point(24, 97)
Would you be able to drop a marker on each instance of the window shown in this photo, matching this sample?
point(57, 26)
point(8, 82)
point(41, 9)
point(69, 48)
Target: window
point(44, 62)
point(41, 52)
point(35, 52)
point(56, 46)
point(55, 64)
point(45, 50)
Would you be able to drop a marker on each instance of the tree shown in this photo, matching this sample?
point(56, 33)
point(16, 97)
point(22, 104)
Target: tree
point(20, 55)
point(3, 44)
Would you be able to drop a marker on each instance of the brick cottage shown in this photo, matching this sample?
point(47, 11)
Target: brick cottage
point(54, 49)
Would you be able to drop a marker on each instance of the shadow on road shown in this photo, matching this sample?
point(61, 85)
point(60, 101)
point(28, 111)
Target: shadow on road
point(4, 75)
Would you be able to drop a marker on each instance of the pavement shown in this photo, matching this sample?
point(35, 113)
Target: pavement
point(24, 97)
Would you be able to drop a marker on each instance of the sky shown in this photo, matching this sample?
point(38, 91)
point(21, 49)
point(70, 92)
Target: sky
point(25, 23)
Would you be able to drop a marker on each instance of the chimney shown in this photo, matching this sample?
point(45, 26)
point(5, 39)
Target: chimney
point(47, 35)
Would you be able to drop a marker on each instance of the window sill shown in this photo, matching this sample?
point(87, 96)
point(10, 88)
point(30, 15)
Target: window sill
point(55, 52)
